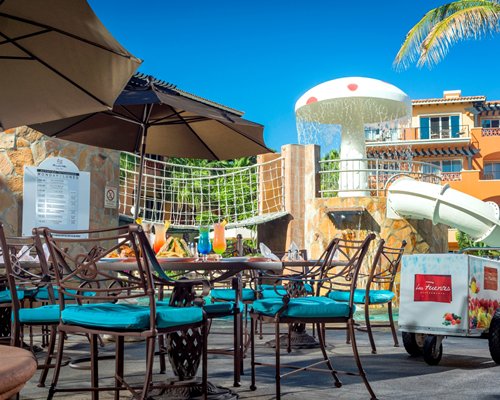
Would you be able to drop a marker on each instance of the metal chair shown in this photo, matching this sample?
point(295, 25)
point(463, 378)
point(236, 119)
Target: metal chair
point(316, 309)
point(104, 306)
point(24, 281)
point(383, 272)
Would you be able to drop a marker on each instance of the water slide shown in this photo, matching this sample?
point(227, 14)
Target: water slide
point(408, 198)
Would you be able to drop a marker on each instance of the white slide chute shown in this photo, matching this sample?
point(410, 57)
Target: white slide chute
point(408, 198)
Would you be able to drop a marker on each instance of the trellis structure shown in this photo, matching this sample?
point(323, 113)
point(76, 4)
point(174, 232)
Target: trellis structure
point(189, 196)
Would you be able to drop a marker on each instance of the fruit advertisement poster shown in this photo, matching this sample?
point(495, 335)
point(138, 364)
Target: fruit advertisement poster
point(484, 294)
point(434, 294)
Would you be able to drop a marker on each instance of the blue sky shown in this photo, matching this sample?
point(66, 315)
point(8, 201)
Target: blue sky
point(261, 56)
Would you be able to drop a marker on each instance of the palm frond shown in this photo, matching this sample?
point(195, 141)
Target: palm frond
point(428, 41)
point(473, 22)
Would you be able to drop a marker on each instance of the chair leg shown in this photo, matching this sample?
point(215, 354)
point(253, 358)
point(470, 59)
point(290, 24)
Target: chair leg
point(277, 354)
point(369, 329)
point(57, 369)
point(94, 366)
point(48, 358)
point(289, 339)
point(252, 352)
point(321, 339)
point(351, 329)
point(237, 348)
point(393, 327)
point(204, 372)
point(150, 355)
point(119, 364)
point(161, 346)
point(261, 336)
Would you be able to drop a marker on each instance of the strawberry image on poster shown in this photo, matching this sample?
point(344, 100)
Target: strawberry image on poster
point(451, 319)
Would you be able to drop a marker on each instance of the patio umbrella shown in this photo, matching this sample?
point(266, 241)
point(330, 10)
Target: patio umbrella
point(57, 60)
point(152, 117)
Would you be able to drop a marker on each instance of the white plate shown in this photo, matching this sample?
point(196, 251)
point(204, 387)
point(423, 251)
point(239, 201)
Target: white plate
point(176, 259)
point(112, 259)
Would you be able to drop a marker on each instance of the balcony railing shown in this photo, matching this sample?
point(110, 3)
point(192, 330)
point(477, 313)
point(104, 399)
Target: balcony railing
point(451, 176)
point(378, 174)
point(490, 132)
point(405, 134)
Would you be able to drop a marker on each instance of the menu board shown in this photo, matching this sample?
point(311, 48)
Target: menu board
point(56, 195)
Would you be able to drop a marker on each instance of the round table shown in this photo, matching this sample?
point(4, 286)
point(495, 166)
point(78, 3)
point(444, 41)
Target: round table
point(17, 368)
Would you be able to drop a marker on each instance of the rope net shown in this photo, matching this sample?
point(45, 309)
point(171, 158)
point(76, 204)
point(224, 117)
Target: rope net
point(192, 195)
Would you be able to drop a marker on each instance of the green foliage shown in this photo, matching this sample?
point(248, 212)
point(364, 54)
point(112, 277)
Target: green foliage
point(465, 241)
point(429, 40)
point(330, 180)
point(197, 191)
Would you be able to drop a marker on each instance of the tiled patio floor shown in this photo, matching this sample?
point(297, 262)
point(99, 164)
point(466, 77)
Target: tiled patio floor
point(465, 372)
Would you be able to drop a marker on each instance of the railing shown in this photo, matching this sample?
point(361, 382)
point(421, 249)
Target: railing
point(384, 135)
point(490, 132)
point(460, 132)
point(451, 176)
point(191, 195)
point(379, 173)
point(403, 134)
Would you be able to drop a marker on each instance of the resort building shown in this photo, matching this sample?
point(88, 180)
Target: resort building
point(460, 134)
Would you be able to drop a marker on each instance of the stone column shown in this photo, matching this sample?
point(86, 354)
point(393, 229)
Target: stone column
point(301, 186)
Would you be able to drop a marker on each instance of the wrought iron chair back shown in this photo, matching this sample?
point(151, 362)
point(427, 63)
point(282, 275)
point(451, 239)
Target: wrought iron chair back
point(385, 265)
point(341, 266)
point(23, 275)
point(76, 265)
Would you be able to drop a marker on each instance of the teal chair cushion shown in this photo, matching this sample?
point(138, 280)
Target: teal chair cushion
point(376, 296)
point(39, 315)
point(308, 287)
point(303, 307)
point(229, 294)
point(167, 317)
point(121, 317)
point(226, 307)
point(43, 294)
point(5, 296)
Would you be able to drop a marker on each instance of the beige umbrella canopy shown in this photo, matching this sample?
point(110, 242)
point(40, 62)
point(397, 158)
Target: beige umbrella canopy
point(57, 60)
point(151, 117)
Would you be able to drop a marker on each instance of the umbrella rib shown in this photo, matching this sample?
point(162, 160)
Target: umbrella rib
point(51, 28)
point(133, 117)
point(199, 138)
point(56, 72)
point(24, 36)
point(67, 128)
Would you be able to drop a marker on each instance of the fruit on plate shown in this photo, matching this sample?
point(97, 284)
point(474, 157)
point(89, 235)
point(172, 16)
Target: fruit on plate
point(174, 247)
point(126, 251)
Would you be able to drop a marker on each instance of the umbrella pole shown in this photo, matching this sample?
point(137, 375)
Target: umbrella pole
point(144, 133)
point(141, 171)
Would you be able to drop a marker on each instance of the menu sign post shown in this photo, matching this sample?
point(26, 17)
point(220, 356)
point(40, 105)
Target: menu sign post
point(56, 195)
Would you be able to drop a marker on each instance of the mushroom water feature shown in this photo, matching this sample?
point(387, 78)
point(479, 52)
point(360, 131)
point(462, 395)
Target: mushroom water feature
point(353, 103)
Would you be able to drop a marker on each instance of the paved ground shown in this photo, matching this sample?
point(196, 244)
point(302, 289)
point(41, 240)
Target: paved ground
point(465, 372)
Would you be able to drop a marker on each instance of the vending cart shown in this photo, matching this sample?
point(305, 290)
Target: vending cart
point(448, 295)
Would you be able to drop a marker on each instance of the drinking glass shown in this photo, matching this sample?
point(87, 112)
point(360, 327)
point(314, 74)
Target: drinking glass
point(160, 240)
point(219, 243)
point(204, 245)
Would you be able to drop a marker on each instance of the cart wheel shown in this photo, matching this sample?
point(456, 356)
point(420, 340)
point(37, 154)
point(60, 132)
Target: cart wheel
point(432, 353)
point(494, 337)
point(413, 343)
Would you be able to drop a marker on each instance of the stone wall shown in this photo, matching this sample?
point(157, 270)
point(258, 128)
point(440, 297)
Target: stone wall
point(25, 146)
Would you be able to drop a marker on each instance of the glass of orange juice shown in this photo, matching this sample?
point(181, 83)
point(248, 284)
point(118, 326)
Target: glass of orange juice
point(219, 242)
point(160, 240)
